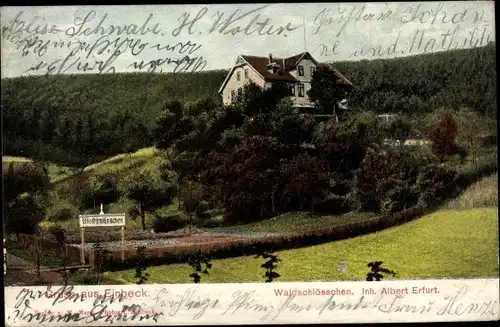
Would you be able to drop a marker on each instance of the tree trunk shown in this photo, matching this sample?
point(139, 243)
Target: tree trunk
point(65, 263)
point(143, 215)
point(37, 249)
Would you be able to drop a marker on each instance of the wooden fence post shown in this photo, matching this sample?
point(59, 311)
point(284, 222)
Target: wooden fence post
point(82, 253)
point(123, 243)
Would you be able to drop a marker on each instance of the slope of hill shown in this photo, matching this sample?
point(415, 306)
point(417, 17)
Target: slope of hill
point(71, 190)
point(79, 119)
point(422, 83)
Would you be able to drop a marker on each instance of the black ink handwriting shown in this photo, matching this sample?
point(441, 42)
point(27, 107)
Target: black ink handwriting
point(20, 26)
point(455, 306)
point(184, 64)
point(329, 50)
point(245, 301)
point(327, 17)
point(230, 24)
point(81, 27)
point(181, 47)
point(184, 21)
point(188, 300)
point(417, 14)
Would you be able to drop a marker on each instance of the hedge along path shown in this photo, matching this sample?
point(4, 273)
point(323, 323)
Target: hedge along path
point(235, 247)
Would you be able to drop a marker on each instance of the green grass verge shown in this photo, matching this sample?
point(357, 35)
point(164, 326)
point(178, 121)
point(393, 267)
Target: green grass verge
point(56, 173)
point(480, 194)
point(123, 165)
point(294, 222)
point(122, 161)
point(445, 244)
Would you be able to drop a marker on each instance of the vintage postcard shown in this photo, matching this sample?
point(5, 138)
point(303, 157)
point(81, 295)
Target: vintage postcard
point(250, 163)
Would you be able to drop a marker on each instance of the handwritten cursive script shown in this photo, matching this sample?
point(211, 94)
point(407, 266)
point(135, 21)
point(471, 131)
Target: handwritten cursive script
point(188, 300)
point(27, 311)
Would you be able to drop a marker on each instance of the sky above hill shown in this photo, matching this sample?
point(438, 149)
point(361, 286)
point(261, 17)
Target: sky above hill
point(177, 38)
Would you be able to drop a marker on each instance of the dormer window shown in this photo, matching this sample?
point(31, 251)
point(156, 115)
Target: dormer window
point(246, 73)
point(238, 76)
point(273, 68)
point(301, 70)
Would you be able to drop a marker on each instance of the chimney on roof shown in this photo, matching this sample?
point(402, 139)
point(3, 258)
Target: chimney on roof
point(270, 58)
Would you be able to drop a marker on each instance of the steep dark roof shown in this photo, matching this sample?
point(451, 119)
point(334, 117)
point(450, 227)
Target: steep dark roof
point(341, 79)
point(260, 65)
point(291, 62)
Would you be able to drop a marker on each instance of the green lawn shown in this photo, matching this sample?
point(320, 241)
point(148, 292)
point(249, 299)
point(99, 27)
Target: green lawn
point(56, 173)
point(123, 165)
point(445, 244)
point(293, 222)
point(483, 193)
point(123, 161)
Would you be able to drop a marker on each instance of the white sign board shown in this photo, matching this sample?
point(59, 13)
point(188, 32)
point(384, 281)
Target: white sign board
point(106, 220)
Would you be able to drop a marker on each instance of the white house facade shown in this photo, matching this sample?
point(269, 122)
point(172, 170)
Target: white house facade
point(296, 71)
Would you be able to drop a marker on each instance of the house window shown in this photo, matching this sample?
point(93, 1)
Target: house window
point(291, 87)
point(301, 70)
point(301, 90)
point(246, 73)
point(233, 95)
point(312, 70)
point(238, 76)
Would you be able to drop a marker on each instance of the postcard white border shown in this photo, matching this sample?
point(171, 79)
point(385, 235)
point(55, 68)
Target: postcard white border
point(257, 303)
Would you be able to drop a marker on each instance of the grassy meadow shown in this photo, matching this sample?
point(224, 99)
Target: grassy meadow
point(296, 222)
point(446, 244)
point(123, 165)
point(483, 193)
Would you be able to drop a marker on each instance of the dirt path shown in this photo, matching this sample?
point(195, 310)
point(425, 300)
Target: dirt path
point(23, 273)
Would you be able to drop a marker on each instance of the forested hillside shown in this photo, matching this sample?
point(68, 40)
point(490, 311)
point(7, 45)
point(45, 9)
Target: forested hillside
point(422, 83)
point(80, 119)
point(76, 120)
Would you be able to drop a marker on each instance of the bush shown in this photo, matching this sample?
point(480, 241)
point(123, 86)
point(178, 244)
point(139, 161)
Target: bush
point(63, 213)
point(133, 212)
point(58, 233)
point(213, 213)
point(202, 208)
point(169, 223)
point(399, 196)
point(334, 205)
point(435, 184)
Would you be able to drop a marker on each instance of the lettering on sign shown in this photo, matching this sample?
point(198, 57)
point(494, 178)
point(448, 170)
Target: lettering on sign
point(102, 220)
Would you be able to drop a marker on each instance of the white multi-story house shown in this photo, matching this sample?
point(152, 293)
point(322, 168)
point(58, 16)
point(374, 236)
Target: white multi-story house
point(296, 71)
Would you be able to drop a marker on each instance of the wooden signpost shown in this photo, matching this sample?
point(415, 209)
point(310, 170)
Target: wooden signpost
point(101, 220)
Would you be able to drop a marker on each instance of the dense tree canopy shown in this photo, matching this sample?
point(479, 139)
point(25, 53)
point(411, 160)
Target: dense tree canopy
point(25, 191)
point(75, 120)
